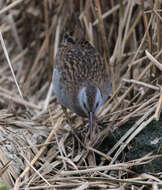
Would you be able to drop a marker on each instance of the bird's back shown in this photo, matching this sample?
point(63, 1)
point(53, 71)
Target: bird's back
point(79, 63)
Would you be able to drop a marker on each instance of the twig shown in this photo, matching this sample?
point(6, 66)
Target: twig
point(108, 13)
point(131, 87)
point(9, 62)
point(12, 5)
point(141, 83)
point(153, 60)
point(159, 106)
point(10, 96)
point(138, 130)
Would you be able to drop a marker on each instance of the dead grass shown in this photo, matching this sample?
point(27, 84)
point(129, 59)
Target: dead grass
point(38, 149)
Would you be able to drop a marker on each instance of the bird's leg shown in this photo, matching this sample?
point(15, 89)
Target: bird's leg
point(70, 124)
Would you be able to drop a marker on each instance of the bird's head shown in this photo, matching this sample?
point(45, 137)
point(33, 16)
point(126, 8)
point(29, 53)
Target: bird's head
point(90, 100)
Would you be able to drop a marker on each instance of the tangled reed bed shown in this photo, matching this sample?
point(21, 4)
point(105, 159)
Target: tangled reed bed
point(38, 149)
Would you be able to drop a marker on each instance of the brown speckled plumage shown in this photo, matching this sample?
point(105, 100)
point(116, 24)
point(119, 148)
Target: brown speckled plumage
point(79, 65)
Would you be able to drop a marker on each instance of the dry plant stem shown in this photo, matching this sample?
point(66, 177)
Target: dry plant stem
point(11, 6)
point(133, 26)
point(117, 50)
point(111, 98)
point(100, 153)
point(88, 30)
point(113, 60)
point(142, 42)
point(140, 60)
point(52, 133)
point(43, 169)
point(9, 63)
point(119, 166)
point(4, 168)
point(84, 186)
point(9, 96)
point(133, 180)
point(126, 118)
point(123, 110)
point(47, 100)
point(158, 19)
point(141, 83)
point(147, 33)
point(133, 128)
point(130, 9)
point(37, 172)
point(41, 51)
point(159, 107)
point(57, 37)
point(22, 54)
point(141, 177)
point(15, 31)
point(45, 3)
point(99, 180)
point(102, 29)
point(149, 176)
point(151, 58)
point(61, 186)
point(10, 170)
point(108, 13)
point(106, 177)
point(61, 152)
point(131, 87)
point(138, 130)
point(69, 161)
point(159, 40)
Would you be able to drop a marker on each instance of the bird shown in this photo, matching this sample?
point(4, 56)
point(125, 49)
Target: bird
point(81, 80)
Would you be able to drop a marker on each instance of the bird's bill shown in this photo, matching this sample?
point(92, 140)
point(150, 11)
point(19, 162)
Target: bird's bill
point(91, 123)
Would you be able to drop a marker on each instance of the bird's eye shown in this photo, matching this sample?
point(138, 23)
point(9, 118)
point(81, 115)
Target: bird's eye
point(97, 104)
point(84, 105)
